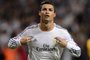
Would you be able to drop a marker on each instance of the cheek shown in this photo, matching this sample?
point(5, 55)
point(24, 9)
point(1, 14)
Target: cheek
point(52, 15)
point(42, 13)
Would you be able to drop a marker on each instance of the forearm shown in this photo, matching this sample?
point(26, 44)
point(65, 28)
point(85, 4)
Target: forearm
point(71, 45)
point(74, 49)
point(20, 39)
point(14, 43)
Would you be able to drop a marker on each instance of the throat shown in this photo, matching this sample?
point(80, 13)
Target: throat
point(46, 26)
point(46, 22)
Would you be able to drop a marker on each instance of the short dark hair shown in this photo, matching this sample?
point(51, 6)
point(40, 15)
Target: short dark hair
point(47, 2)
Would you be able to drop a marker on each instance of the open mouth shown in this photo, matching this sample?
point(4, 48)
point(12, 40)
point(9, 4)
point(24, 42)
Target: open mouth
point(46, 15)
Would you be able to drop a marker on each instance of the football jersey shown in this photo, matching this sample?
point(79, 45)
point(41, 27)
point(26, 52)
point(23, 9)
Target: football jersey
point(43, 45)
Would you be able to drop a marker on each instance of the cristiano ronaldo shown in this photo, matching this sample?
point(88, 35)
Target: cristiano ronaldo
point(45, 40)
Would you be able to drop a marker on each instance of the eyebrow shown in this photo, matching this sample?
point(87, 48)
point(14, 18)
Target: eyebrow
point(49, 8)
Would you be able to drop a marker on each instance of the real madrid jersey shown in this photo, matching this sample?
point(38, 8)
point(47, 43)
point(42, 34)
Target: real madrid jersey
point(43, 45)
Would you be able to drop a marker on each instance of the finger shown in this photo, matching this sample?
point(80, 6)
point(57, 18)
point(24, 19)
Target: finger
point(31, 37)
point(58, 39)
point(28, 40)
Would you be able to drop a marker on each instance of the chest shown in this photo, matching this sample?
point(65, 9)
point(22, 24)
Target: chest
point(45, 39)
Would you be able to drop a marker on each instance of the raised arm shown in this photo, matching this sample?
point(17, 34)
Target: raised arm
point(69, 43)
point(19, 40)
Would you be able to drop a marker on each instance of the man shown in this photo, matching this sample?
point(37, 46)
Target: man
point(45, 40)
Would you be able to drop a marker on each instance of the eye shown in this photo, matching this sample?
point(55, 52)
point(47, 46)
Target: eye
point(44, 9)
point(50, 9)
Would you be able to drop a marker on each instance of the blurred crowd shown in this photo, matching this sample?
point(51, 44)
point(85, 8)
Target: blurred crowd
point(16, 15)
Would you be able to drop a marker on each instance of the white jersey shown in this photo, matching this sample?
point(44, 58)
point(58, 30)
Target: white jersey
point(43, 45)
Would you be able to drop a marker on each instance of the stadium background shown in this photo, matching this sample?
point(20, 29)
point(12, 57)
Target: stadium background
point(16, 15)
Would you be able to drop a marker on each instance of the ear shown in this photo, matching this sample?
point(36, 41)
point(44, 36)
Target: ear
point(54, 14)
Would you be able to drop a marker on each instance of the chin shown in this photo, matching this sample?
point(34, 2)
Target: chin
point(47, 19)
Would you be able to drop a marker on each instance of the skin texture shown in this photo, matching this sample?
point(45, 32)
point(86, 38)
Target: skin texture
point(47, 15)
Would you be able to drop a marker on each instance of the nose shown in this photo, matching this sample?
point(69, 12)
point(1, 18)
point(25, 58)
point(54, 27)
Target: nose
point(47, 12)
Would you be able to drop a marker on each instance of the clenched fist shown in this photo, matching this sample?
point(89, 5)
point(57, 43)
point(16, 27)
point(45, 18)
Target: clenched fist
point(25, 39)
point(62, 42)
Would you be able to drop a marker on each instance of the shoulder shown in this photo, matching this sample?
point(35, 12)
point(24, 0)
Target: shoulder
point(59, 27)
point(32, 26)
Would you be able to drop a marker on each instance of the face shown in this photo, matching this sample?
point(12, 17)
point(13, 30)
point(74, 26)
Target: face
point(47, 12)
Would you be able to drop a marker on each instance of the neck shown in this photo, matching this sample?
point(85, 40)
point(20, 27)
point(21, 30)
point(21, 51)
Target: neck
point(46, 26)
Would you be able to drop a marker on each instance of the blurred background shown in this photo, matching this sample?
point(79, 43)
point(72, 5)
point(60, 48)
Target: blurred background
point(16, 15)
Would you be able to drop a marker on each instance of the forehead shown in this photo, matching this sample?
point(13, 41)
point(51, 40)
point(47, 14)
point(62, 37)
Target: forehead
point(47, 6)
